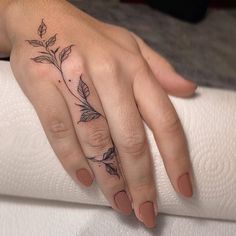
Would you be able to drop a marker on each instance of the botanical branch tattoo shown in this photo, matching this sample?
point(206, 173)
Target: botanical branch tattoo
point(55, 56)
point(88, 112)
point(108, 160)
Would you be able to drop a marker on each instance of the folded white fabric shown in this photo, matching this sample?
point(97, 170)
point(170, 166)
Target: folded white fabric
point(24, 217)
point(29, 167)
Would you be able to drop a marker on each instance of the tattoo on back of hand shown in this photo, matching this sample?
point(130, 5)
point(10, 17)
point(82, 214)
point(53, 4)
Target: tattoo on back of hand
point(49, 54)
point(56, 57)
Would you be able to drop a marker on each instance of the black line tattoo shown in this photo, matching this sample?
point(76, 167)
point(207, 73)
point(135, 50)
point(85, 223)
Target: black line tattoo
point(108, 160)
point(88, 112)
point(56, 57)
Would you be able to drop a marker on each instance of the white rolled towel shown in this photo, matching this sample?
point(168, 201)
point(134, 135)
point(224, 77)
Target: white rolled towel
point(29, 167)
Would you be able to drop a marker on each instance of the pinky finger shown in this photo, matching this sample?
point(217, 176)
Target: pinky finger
point(162, 119)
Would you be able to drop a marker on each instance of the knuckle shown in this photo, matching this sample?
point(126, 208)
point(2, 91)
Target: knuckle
point(38, 72)
point(180, 161)
point(111, 184)
point(143, 183)
point(58, 128)
point(98, 138)
point(107, 66)
point(137, 61)
point(38, 75)
point(171, 122)
point(139, 66)
point(67, 156)
point(134, 145)
point(146, 186)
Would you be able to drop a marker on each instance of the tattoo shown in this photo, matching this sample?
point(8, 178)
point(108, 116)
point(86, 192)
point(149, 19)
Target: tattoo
point(56, 57)
point(108, 160)
point(88, 112)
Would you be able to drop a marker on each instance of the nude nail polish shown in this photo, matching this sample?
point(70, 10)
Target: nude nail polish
point(123, 203)
point(84, 177)
point(185, 186)
point(147, 214)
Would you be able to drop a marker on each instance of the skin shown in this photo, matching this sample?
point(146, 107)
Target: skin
point(127, 82)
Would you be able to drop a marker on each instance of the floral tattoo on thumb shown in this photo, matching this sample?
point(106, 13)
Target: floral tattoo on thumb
point(55, 56)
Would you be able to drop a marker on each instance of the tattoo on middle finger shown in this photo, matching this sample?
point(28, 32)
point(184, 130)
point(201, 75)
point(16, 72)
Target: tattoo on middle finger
point(56, 57)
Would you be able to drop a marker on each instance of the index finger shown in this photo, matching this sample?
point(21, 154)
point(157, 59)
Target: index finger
point(161, 117)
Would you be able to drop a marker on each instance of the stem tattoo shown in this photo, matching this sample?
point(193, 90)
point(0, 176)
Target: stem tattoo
point(56, 57)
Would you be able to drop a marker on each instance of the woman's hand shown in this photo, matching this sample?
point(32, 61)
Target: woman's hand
point(92, 84)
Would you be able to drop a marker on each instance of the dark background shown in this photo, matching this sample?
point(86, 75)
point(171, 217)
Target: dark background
point(212, 3)
point(204, 52)
point(188, 10)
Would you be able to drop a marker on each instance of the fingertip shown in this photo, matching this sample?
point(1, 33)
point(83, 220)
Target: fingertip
point(185, 185)
point(189, 89)
point(84, 177)
point(182, 87)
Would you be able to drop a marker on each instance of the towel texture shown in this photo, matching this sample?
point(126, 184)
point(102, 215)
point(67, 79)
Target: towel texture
point(24, 217)
point(29, 167)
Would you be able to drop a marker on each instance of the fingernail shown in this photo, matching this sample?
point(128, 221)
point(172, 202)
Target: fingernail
point(84, 177)
point(147, 214)
point(185, 186)
point(123, 203)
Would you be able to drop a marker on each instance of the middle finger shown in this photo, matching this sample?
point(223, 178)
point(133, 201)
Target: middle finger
point(93, 133)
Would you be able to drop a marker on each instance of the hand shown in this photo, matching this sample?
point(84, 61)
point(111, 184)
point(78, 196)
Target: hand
point(91, 85)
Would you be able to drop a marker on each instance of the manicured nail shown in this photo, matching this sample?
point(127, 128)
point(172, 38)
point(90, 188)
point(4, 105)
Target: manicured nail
point(147, 214)
point(185, 186)
point(123, 203)
point(84, 177)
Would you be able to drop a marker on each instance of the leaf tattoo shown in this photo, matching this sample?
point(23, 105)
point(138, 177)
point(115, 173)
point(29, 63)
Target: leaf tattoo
point(43, 59)
point(108, 160)
point(50, 55)
point(88, 116)
point(64, 54)
point(42, 29)
point(56, 50)
point(83, 89)
point(110, 154)
point(88, 112)
point(56, 57)
point(51, 41)
point(35, 43)
point(111, 169)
